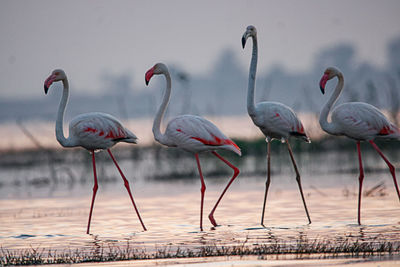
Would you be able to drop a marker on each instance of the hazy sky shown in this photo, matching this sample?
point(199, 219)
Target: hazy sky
point(88, 38)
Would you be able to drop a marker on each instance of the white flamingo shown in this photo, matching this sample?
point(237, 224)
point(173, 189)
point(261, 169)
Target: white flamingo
point(359, 121)
point(92, 131)
point(193, 134)
point(275, 120)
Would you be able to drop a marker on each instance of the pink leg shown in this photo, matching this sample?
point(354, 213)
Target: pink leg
point(235, 174)
point(360, 179)
point(95, 187)
point(126, 183)
point(267, 183)
point(203, 189)
point(391, 167)
point(298, 180)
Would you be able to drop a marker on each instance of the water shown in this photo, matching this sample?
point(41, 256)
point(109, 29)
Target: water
point(41, 211)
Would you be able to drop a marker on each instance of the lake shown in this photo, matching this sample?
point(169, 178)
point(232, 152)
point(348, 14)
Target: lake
point(44, 204)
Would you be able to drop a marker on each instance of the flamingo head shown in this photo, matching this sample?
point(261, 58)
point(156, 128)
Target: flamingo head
point(56, 75)
point(157, 69)
point(250, 31)
point(328, 74)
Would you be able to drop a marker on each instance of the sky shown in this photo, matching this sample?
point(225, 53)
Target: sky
point(90, 38)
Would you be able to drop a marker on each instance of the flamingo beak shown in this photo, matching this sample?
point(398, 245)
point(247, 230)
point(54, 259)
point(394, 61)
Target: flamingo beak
point(322, 82)
point(244, 38)
point(148, 75)
point(48, 82)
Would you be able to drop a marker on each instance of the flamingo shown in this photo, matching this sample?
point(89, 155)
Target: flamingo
point(92, 131)
point(359, 121)
point(193, 134)
point(275, 120)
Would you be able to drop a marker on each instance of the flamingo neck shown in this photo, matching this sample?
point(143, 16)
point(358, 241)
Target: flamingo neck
point(323, 118)
point(161, 110)
point(251, 109)
point(60, 116)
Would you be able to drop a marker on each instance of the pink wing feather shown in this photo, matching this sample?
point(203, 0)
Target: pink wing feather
point(363, 121)
point(99, 131)
point(196, 134)
point(278, 121)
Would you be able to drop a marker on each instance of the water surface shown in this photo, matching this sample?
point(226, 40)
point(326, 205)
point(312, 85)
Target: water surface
point(39, 212)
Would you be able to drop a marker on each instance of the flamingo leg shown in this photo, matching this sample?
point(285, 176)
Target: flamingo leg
point(267, 183)
point(235, 174)
point(202, 190)
point(360, 179)
point(95, 187)
point(391, 167)
point(126, 183)
point(298, 180)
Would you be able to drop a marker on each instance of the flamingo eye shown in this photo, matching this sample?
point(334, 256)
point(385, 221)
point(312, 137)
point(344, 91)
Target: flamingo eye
point(57, 73)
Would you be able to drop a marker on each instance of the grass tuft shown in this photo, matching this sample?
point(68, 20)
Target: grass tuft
point(301, 248)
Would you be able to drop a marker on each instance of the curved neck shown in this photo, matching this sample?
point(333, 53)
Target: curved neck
point(161, 110)
point(60, 115)
point(323, 118)
point(251, 109)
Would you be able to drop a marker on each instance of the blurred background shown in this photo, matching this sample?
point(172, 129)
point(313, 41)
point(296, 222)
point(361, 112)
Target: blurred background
point(106, 47)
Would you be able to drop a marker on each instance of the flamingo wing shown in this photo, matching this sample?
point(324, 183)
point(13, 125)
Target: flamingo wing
point(363, 121)
point(99, 131)
point(277, 120)
point(196, 134)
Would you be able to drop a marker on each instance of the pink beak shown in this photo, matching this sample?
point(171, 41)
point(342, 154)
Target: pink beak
point(322, 83)
point(148, 75)
point(48, 82)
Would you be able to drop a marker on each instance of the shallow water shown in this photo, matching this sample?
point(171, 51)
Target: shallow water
point(54, 215)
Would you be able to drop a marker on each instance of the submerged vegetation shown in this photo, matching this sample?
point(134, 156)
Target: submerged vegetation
point(48, 167)
point(301, 248)
point(255, 147)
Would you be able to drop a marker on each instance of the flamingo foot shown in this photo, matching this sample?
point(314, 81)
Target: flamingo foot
point(212, 220)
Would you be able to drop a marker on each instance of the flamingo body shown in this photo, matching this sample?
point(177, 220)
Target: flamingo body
point(278, 121)
point(98, 130)
point(362, 121)
point(92, 131)
point(193, 134)
point(196, 134)
point(359, 121)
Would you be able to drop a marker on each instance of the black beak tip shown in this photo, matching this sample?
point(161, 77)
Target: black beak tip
point(322, 90)
point(243, 42)
point(46, 89)
point(146, 81)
